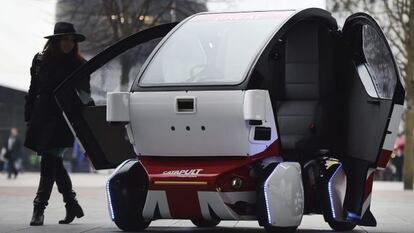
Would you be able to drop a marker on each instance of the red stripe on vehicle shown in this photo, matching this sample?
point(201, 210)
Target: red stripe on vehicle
point(184, 204)
point(368, 186)
point(384, 157)
point(209, 169)
point(183, 177)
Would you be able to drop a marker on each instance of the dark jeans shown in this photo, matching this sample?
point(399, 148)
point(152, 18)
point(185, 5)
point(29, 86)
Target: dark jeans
point(52, 170)
point(11, 168)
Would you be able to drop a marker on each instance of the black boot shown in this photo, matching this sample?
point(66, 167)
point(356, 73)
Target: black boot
point(38, 216)
point(73, 209)
point(41, 200)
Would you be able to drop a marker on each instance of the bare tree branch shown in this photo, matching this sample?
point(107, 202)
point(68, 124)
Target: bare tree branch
point(397, 33)
point(158, 16)
point(390, 12)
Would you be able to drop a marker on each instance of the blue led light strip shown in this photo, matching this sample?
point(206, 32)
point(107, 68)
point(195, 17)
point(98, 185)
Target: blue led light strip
point(108, 195)
point(108, 190)
point(352, 216)
point(269, 218)
point(330, 191)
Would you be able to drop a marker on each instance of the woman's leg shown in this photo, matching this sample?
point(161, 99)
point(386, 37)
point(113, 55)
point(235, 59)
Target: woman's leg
point(73, 209)
point(63, 181)
point(47, 178)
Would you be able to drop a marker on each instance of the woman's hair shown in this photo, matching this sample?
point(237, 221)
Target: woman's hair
point(52, 49)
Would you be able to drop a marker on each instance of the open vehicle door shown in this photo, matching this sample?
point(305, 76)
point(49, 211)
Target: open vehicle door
point(374, 91)
point(372, 107)
point(114, 69)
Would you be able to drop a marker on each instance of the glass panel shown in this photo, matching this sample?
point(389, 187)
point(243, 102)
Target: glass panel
point(117, 74)
point(380, 63)
point(208, 49)
point(366, 80)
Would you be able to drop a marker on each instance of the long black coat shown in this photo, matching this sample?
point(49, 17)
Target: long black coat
point(47, 127)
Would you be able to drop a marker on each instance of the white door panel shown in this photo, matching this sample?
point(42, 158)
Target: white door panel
point(216, 126)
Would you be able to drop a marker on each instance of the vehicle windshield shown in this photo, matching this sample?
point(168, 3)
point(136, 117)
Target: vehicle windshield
point(212, 49)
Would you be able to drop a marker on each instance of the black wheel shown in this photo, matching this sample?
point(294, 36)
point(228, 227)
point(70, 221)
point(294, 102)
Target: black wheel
point(131, 224)
point(272, 229)
point(128, 194)
point(341, 226)
point(205, 223)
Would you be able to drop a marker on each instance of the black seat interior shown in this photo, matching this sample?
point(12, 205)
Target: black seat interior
point(304, 98)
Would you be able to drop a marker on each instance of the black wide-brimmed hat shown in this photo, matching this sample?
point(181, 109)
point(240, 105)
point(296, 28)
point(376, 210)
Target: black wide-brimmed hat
point(63, 29)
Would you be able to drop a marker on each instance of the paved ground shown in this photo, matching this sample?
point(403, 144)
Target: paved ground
point(392, 207)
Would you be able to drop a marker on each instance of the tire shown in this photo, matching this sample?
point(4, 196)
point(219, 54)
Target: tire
point(205, 223)
point(341, 226)
point(131, 224)
point(273, 229)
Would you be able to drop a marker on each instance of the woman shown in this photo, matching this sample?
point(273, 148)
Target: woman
point(47, 132)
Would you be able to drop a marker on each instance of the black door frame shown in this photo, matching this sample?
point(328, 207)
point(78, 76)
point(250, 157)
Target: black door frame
point(72, 106)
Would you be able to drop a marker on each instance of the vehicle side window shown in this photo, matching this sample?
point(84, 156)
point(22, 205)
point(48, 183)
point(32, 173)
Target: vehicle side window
point(379, 62)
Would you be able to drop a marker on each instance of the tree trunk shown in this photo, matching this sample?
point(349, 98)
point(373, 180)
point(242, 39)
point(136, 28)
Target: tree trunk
point(408, 170)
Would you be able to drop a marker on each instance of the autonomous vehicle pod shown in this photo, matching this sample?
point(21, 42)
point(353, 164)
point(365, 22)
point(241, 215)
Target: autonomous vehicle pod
point(264, 116)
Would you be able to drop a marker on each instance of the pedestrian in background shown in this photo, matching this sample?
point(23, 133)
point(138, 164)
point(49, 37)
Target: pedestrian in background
point(47, 132)
point(3, 160)
point(398, 159)
point(13, 152)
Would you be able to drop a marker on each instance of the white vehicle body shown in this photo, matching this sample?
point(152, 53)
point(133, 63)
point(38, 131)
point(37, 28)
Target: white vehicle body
point(264, 116)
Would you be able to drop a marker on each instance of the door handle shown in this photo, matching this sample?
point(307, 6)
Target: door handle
point(185, 104)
